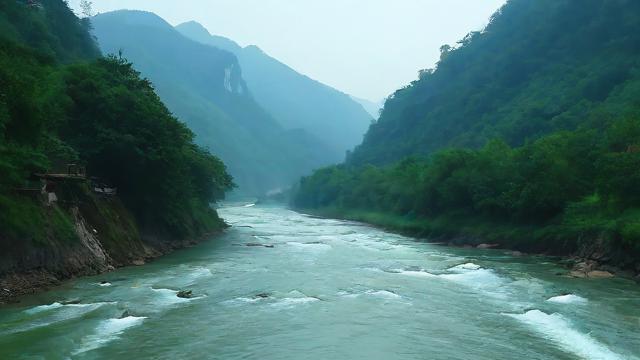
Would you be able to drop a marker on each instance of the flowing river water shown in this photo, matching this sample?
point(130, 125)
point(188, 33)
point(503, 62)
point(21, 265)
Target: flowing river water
point(327, 289)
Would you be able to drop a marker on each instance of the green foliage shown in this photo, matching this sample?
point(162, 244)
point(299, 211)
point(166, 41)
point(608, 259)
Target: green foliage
point(52, 29)
point(567, 184)
point(22, 218)
point(125, 135)
point(562, 98)
point(99, 113)
point(518, 79)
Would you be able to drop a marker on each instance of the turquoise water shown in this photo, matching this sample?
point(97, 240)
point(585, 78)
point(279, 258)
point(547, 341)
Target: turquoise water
point(327, 289)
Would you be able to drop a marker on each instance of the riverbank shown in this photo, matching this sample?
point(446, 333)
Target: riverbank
point(317, 291)
point(16, 285)
point(83, 234)
point(588, 256)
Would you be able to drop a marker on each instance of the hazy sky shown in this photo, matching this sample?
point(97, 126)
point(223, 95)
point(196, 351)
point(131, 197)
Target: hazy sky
point(366, 48)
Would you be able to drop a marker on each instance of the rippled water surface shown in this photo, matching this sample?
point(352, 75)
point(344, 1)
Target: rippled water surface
point(327, 289)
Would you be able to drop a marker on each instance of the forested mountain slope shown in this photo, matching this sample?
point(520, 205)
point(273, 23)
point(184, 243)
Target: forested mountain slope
point(62, 103)
point(50, 28)
point(203, 85)
point(538, 67)
point(295, 100)
point(527, 135)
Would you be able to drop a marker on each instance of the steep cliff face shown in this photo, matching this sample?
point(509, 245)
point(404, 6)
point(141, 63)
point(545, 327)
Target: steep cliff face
point(296, 101)
point(203, 85)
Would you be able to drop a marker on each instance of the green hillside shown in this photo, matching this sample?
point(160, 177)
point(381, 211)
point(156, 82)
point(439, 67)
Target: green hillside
point(527, 134)
point(538, 67)
point(61, 103)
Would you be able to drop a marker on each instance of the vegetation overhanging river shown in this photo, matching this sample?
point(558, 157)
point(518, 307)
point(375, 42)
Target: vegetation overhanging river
point(282, 285)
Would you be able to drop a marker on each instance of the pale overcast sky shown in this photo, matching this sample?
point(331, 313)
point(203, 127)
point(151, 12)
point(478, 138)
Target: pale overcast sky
point(366, 48)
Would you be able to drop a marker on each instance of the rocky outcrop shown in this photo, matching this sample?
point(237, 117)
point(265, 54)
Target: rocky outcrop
point(88, 238)
point(488, 246)
point(185, 294)
point(103, 235)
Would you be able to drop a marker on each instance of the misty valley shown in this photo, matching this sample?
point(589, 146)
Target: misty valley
point(167, 192)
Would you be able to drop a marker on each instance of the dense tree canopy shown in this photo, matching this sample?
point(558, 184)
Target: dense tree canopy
point(527, 124)
point(538, 67)
point(98, 112)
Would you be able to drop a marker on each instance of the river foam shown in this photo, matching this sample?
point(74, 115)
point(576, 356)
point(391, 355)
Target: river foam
point(106, 332)
point(557, 329)
point(383, 294)
point(466, 266)
point(42, 308)
point(567, 299)
point(288, 302)
point(57, 305)
point(482, 278)
point(416, 273)
point(51, 314)
point(314, 246)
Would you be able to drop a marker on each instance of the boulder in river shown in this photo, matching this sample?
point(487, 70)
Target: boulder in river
point(599, 274)
point(577, 274)
point(262, 296)
point(259, 245)
point(185, 294)
point(487, 246)
point(593, 274)
point(585, 266)
point(71, 302)
point(138, 262)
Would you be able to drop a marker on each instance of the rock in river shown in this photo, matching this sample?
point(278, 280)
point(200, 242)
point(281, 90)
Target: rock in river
point(599, 274)
point(185, 294)
point(487, 246)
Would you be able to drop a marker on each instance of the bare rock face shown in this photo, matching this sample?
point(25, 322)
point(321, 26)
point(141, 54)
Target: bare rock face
point(90, 242)
point(487, 246)
point(589, 269)
point(585, 266)
point(577, 274)
point(599, 274)
point(138, 262)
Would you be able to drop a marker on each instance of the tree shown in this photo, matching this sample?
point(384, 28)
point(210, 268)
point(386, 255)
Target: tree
point(86, 8)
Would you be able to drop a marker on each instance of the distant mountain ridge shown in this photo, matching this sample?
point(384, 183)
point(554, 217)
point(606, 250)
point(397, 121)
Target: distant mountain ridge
point(295, 100)
point(204, 87)
point(372, 107)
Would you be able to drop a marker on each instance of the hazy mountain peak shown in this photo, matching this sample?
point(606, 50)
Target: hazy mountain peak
point(196, 31)
point(295, 100)
point(255, 49)
point(137, 17)
point(194, 27)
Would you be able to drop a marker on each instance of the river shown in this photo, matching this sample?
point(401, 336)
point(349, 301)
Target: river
point(327, 289)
